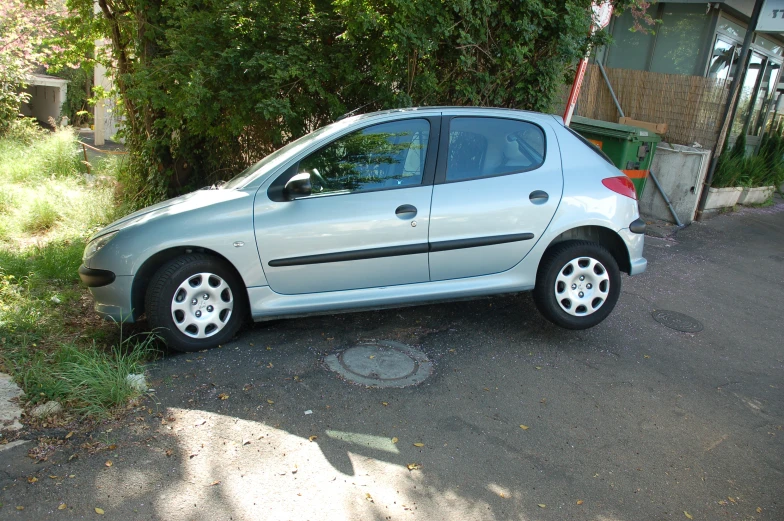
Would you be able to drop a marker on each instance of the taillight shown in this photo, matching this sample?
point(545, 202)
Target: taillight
point(621, 185)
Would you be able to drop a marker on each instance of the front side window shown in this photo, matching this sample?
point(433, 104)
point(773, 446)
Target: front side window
point(487, 147)
point(383, 156)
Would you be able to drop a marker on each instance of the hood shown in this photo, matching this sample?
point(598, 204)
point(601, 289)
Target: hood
point(183, 203)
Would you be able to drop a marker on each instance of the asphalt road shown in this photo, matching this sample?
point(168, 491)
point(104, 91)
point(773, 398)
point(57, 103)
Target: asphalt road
point(627, 421)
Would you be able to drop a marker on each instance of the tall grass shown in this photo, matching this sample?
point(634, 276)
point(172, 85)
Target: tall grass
point(48, 208)
point(48, 155)
point(44, 190)
point(90, 380)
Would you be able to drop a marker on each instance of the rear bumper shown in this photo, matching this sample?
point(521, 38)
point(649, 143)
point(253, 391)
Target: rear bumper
point(634, 243)
point(113, 300)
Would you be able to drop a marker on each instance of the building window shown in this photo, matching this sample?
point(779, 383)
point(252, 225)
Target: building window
point(682, 35)
point(724, 61)
point(630, 49)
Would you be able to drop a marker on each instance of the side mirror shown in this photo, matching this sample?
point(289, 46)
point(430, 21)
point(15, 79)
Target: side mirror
point(298, 186)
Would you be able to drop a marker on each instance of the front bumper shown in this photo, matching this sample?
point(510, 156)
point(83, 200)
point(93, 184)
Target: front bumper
point(113, 300)
point(95, 278)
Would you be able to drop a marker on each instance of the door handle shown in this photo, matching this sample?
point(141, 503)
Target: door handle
point(406, 211)
point(538, 197)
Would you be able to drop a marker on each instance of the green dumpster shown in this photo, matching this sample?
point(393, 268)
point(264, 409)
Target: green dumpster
point(630, 148)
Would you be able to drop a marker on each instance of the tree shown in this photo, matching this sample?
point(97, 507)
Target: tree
point(33, 34)
point(210, 86)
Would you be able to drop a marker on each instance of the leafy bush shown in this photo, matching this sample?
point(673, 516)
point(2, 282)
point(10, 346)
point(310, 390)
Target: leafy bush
point(209, 86)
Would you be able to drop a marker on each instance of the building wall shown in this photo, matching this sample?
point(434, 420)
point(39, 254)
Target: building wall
point(45, 102)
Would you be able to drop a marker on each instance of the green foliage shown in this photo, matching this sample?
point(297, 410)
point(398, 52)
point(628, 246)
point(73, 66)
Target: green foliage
point(77, 106)
point(209, 87)
point(728, 170)
point(739, 148)
point(772, 152)
point(42, 217)
point(28, 155)
point(91, 380)
point(7, 202)
point(766, 168)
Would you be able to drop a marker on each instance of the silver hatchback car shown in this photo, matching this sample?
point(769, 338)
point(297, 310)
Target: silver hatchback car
point(385, 209)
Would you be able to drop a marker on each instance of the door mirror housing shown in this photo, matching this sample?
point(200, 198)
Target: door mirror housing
point(298, 186)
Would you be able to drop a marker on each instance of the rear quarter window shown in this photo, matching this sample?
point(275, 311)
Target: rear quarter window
point(593, 147)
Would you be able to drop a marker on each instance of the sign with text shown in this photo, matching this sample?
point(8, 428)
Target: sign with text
point(771, 18)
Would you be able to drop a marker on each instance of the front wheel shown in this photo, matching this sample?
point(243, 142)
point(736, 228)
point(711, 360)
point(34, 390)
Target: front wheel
point(195, 302)
point(577, 285)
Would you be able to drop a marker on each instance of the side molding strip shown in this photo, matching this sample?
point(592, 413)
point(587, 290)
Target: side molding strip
point(396, 251)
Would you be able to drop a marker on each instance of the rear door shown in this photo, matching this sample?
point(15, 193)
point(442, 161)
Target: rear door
point(498, 184)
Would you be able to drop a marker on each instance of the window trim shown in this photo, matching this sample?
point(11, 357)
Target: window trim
point(443, 150)
point(275, 189)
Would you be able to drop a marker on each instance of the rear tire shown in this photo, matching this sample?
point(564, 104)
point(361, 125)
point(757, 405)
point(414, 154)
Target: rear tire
point(195, 302)
point(577, 284)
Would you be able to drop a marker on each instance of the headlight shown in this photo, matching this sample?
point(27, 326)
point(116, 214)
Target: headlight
point(96, 244)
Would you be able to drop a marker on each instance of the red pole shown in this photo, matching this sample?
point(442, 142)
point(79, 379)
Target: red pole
point(602, 11)
point(575, 92)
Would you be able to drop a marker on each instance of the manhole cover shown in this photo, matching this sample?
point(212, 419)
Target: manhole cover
point(677, 321)
point(381, 364)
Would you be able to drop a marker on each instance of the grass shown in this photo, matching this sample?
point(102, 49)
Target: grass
point(51, 341)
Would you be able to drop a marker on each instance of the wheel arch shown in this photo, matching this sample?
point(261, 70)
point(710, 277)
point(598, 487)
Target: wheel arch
point(601, 235)
point(142, 277)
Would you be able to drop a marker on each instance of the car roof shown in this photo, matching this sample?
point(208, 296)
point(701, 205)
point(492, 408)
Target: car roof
point(451, 110)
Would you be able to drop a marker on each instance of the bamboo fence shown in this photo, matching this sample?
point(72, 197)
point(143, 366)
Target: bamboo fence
point(689, 105)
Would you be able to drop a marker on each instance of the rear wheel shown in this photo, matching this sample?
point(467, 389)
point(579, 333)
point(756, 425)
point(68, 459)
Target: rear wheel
point(195, 302)
point(577, 285)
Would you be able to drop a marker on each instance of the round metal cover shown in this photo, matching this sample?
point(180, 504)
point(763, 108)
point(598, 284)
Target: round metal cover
point(677, 321)
point(381, 364)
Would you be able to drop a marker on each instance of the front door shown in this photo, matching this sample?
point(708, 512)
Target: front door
point(498, 184)
point(365, 224)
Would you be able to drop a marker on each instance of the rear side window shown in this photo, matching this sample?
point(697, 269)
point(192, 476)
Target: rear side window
point(488, 147)
point(593, 147)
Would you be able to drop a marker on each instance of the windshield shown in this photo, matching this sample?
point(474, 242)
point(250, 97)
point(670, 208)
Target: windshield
point(275, 158)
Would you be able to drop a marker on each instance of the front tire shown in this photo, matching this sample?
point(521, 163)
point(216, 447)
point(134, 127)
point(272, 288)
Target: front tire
point(577, 285)
point(195, 302)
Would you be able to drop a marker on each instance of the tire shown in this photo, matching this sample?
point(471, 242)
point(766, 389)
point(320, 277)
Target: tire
point(195, 302)
point(559, 286)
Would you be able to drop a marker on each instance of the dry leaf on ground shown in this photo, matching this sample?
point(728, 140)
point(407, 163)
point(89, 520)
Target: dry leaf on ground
point(99, 511)
point(419, 444)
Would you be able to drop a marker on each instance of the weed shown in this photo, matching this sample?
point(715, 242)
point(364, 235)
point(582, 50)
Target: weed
point(42, 217)
point(90, 380)
point(48, 155)
point(7, 202)
point(50, 341)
